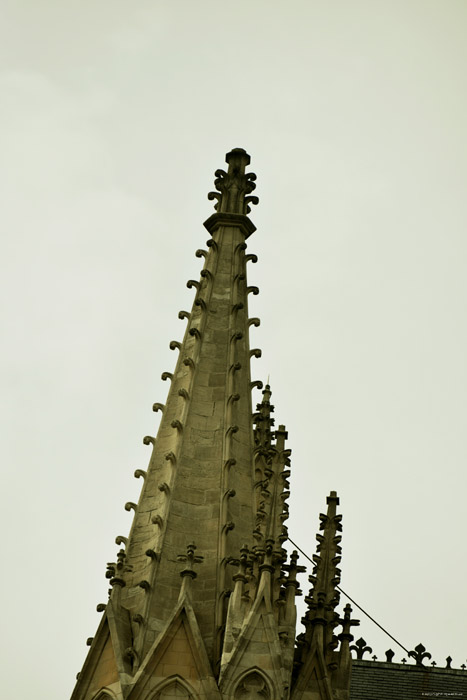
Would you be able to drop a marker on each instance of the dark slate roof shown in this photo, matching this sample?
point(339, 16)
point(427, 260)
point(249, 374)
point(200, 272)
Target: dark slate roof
point(374, 680)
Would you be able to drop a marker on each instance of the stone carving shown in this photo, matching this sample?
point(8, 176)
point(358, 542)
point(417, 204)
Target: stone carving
point(166, 375)
point(130, 506)
point(199, 301)
point(200, 253)
point(251, 258)
point(131, 655)
point(116, 570)
point(140, 473)
point(257, 384)
point(254, 322)
point(211, 243)
point(175, 345)
point(252, 290)
point(193, 283)
point(148, 440)
point(234, 187)
point(191, 559)
point(158, 407)
point(184, 314)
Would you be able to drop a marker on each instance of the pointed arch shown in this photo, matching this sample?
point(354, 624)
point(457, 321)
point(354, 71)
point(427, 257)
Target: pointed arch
point(253, 684)
point(104, 694)
point(174, 687)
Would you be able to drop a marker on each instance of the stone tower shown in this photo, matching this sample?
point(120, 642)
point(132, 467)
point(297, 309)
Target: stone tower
point(202, 598)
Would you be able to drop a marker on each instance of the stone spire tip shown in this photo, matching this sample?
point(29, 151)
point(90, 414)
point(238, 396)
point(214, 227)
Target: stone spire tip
point(238, 157)
point(234, 188)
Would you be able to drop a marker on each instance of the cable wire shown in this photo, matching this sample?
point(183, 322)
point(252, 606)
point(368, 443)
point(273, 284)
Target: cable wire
point(353, 601)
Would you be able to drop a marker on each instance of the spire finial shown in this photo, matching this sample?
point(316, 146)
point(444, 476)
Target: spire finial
point(234, 185)
point(263, 420)
point(191, 559)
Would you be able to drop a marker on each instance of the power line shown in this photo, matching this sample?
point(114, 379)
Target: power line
point(353, 601)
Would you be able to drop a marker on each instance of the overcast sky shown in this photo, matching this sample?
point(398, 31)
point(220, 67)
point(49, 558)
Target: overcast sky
point(114, 117)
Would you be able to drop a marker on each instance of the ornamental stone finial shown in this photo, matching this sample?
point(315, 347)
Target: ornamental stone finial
point(190, 558)
point(234, 185)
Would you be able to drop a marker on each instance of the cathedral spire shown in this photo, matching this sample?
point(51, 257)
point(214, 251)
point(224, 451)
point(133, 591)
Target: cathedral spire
point(215, 620)
point(200, 480)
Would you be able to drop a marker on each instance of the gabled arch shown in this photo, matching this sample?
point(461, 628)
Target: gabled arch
point(253, 684)
point(181, 689)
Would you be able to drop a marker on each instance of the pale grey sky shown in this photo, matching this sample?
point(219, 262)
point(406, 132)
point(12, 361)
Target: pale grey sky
point(114, 117)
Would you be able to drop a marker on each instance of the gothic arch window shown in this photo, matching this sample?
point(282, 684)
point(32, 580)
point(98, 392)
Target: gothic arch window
point(174, 688)
point(253, 685)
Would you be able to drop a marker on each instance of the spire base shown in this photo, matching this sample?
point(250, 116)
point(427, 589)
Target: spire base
point(240, 221)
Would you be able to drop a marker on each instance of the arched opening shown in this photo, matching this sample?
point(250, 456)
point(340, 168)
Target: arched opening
point(253, 686)
point(104, 694)
point(174, 688)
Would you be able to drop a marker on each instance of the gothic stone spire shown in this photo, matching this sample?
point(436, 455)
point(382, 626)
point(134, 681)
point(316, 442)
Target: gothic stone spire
point(199, 478)
point(319, 667)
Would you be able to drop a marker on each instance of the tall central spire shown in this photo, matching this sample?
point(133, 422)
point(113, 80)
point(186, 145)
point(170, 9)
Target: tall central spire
point(202, 600)
point(199, 483)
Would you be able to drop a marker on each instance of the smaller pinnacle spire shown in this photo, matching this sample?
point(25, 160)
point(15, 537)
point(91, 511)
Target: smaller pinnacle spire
point(191, 559)
point(188, 573)
point(324, 595)
point(263, 420)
